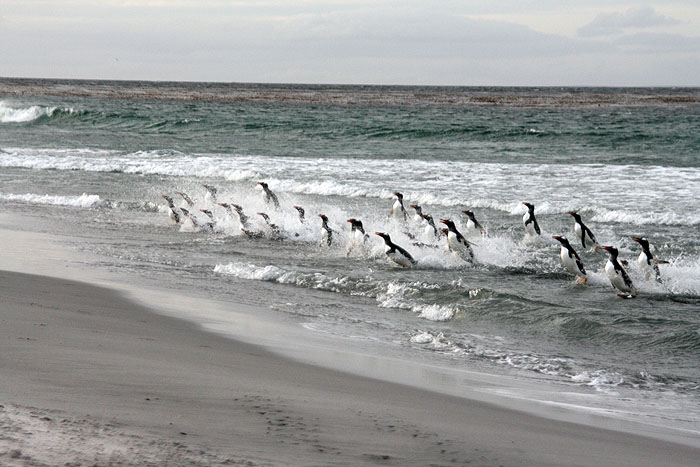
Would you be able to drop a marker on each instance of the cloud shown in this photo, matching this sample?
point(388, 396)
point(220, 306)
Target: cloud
point(605, 24)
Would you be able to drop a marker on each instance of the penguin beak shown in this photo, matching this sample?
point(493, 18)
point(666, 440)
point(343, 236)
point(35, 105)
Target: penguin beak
point(637, 239)
point(556, 237)
point(444, 221)
point(606, 248)
point(379, 233)
point(571, 213)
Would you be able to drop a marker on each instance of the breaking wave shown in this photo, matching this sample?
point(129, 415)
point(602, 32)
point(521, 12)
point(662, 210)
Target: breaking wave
point(83, 201)
point(9, 114)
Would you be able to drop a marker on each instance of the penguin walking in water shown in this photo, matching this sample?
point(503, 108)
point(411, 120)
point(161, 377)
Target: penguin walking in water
point(617, 274)
point(646, 260)
point(196, 226)
point(301, 213)
point(395, 253)
point(172, 210)
point(571, 260)
point(398, 211)
point(326, 231)
point(456, 241)
point(208, 226)
point(210, 195)
point(187, 202)
point(473, 226)
point(269, 196)
point(583, 233)
point(431, 232)
point(275, 231)
point(532, 228)
point(358, 236)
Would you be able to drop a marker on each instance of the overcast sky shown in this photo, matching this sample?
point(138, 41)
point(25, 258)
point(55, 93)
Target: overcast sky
point(471, 42)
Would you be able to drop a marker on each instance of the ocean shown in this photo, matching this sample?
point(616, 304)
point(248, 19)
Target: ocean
point(90, 161)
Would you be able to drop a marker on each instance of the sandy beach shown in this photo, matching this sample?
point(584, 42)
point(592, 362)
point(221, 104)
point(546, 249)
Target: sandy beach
point(90, 377)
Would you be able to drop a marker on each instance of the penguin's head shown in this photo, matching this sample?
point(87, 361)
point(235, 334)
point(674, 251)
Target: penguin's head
point(642, 241)
point(398, 195)
point(530, 207)
point(611, 249)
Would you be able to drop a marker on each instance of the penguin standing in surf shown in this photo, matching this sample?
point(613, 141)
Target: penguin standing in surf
point(398, 211)
point(571, 260)
point(172, 210)
point(301, 213)
point(358, 236)
point(532, 228)
point(646, 260)
point(326, 231)
point(617, 274)
point(473, 226)
point(456, 242)
point(210, 195)
point(583, 233)
point(269, 196)
point(395, 253)
point(431, 232)
point(208, 226)
point(187, 202)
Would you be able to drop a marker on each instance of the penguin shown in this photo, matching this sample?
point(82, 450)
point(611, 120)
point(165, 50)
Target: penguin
point(583, 233)
point(208, 226)
point(431, 232)
point(456, 241)
point(395, 253)
point(210, 196)
point(646, 260)
point(571, 260)
point(617, 274)
point(242, 217)
point(326, 231)
point(301, 213)
point(417, 217)
point(269, 196)
point(473, 225)
point(187, 201)
point(172, 210)
point(358, 236)
point(530, 222)
point(275, 231)
point(398, 211)
point(196, 225)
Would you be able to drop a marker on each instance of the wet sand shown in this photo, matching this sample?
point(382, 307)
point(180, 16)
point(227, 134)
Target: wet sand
point(89, 377)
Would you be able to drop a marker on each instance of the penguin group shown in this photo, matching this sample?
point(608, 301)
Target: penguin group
point(420, 229)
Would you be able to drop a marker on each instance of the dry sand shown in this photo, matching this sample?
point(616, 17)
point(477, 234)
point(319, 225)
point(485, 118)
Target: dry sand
point(89, 377)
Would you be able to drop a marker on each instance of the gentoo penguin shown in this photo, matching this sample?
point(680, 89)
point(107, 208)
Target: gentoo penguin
point(530, 222)
point(358, 236)
point(431, 231)
point(395, 253)
point(208, 226)
point(210, 196)
point(456, 241)
point(473, 226)
point(583, 233)
point(242, 217)
point(301, 213)
point(571, 260)
point(398, 211)
point(172, 210)
point(417, 217)
point(326, 231)
point(269, 196)
point(196, 225)
point(646, 260)
point(617, 275)
point(275, 231)
point(187, 201)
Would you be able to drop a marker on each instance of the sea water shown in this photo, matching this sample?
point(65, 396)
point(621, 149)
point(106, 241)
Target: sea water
point(95, 158)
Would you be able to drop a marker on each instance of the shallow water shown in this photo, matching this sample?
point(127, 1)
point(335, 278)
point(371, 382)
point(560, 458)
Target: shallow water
point(96, 158)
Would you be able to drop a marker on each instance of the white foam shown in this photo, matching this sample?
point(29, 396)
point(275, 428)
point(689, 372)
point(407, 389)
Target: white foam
point(83, 201)
point(10, 114)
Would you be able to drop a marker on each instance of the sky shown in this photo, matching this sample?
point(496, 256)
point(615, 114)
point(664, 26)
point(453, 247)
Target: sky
point(421, 42)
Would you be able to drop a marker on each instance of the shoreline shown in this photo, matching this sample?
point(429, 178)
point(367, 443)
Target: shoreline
point(134, 372)
point(71, 349)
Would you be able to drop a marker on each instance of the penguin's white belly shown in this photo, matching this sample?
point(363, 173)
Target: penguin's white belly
point(398, 258)
point(463, 251)
point(616, 278)
point(529, 227)
point(173, 215)
point(569, 262)
point(397, 211)
point(647, 269)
